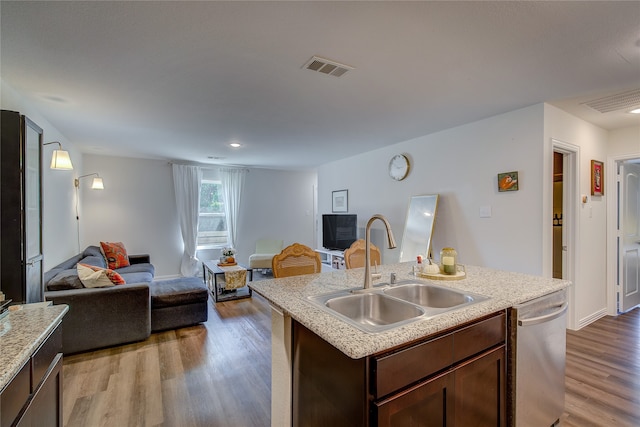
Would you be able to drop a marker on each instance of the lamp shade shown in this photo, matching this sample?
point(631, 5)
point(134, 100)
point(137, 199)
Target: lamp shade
point(97, 184)
point(60, 160)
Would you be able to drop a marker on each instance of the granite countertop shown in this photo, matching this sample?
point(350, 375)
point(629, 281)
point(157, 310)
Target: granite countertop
point(21, 332)
point(504, 289)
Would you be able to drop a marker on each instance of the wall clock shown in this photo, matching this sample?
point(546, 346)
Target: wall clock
point(399, 167)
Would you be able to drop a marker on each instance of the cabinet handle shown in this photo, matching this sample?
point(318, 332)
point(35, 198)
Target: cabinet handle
point(545, 318)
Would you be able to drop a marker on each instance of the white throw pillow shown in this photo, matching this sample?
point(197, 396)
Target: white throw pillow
point(93, 279)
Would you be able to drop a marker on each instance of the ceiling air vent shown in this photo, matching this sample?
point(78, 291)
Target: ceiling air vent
point(327, 66)
point(620, 101)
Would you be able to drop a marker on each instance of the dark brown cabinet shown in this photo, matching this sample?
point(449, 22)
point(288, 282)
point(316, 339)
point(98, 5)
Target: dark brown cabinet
point(21, 275)
point(480, 390)
point(455, 379)
point(34, 396)
point(428, 403)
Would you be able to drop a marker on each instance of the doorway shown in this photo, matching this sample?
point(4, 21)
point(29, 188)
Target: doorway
point(628, 234)
point(559, 249)
point(565, 209)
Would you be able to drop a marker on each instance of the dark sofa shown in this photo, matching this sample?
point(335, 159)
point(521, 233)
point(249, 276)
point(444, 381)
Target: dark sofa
point(103, 317)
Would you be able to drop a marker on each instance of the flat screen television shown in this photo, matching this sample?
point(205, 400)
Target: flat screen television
point(339, 231)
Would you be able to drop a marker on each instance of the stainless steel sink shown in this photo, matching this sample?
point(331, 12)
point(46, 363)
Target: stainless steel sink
point(390, 306)
point(433, 296)
point(371, 311)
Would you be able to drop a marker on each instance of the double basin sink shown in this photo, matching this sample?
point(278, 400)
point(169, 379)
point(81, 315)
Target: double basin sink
point(389, 306)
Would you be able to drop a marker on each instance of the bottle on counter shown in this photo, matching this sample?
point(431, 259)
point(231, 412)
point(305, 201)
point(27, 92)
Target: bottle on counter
point(448, 261)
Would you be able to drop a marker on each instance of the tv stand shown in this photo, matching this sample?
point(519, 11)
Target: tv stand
point(332, 259)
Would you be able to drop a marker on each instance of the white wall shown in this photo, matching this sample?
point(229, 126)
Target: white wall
point(59, 224)
point(275, 205)
point(624, 142)
point(137, 207)
point(460, 164)
point(589, 291)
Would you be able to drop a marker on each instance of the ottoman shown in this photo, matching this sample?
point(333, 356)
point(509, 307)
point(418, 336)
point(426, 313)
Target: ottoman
point(178, 302)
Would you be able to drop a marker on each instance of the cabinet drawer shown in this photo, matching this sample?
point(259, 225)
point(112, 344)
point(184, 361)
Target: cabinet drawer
point(44, 355)
point(391, 372)
point(479, 337)
point(14, 396)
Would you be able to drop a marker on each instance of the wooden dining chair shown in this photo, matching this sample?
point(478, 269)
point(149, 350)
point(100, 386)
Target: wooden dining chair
point(354, 255)
point(295, 260)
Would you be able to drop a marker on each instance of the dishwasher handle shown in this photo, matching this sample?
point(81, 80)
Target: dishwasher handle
point(546, 318)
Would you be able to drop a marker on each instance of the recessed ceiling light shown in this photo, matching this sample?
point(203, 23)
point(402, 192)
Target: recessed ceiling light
point(235, 144)
point(635, 111)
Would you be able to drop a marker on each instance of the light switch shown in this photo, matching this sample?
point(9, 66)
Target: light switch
point(485, 211)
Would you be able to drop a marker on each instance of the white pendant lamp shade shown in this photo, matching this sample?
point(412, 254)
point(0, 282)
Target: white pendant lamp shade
point(97, 184)
point(60, 159)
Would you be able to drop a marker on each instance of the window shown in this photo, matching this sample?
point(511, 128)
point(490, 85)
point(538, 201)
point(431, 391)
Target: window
point(212, 225)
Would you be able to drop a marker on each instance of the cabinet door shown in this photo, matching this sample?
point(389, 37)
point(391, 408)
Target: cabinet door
point(480, 390)
point(45, 407)
point(427, 404)
point(32, 256)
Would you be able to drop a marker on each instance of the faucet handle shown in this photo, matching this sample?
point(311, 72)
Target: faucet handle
point(392, 279)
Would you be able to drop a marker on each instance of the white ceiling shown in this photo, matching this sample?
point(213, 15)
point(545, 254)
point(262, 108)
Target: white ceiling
point(180, 80)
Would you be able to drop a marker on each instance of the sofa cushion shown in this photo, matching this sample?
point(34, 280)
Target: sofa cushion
point(140, 277)
point(96, 277)
point(115, 254)
point(65, 279)
point(95, 261)
point(92, 251)
point(138, 268)
point(180, 291)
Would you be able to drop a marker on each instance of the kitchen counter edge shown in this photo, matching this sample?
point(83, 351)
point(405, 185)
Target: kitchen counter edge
point(504, 289)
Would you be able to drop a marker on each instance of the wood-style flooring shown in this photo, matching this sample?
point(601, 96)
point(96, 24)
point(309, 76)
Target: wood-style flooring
point(219, 374)
point(214, 374)
point(603, 373)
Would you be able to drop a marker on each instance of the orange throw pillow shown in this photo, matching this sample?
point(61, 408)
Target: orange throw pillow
point(114, 277)
point(115, 254)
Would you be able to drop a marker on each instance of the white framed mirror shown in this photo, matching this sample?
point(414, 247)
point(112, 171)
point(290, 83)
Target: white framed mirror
point(421, 219)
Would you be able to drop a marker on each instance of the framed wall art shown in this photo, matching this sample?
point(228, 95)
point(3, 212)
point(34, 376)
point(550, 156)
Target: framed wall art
point(508, 181)
point(340, 201)
point(597, 178)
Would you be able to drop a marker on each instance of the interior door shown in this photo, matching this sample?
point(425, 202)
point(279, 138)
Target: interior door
point(629, 235)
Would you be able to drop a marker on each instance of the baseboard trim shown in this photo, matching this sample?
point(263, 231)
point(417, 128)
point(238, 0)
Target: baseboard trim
point(592, 318)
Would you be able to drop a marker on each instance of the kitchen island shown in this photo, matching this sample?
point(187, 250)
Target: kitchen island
point(291, 306)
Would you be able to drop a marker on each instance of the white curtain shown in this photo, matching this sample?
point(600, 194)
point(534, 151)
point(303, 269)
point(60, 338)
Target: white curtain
point(186, 182)
point(232, 183)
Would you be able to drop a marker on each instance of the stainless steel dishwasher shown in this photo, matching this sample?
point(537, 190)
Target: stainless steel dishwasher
point(537, 353)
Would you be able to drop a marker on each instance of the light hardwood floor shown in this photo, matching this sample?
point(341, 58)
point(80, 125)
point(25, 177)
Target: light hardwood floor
point(215, 374)
point(603, 373)
point(218, 374)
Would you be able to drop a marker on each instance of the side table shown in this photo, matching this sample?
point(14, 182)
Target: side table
point(211, 271)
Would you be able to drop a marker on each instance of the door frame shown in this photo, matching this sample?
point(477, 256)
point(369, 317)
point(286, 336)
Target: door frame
point(571, 220)
point(612, 230)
